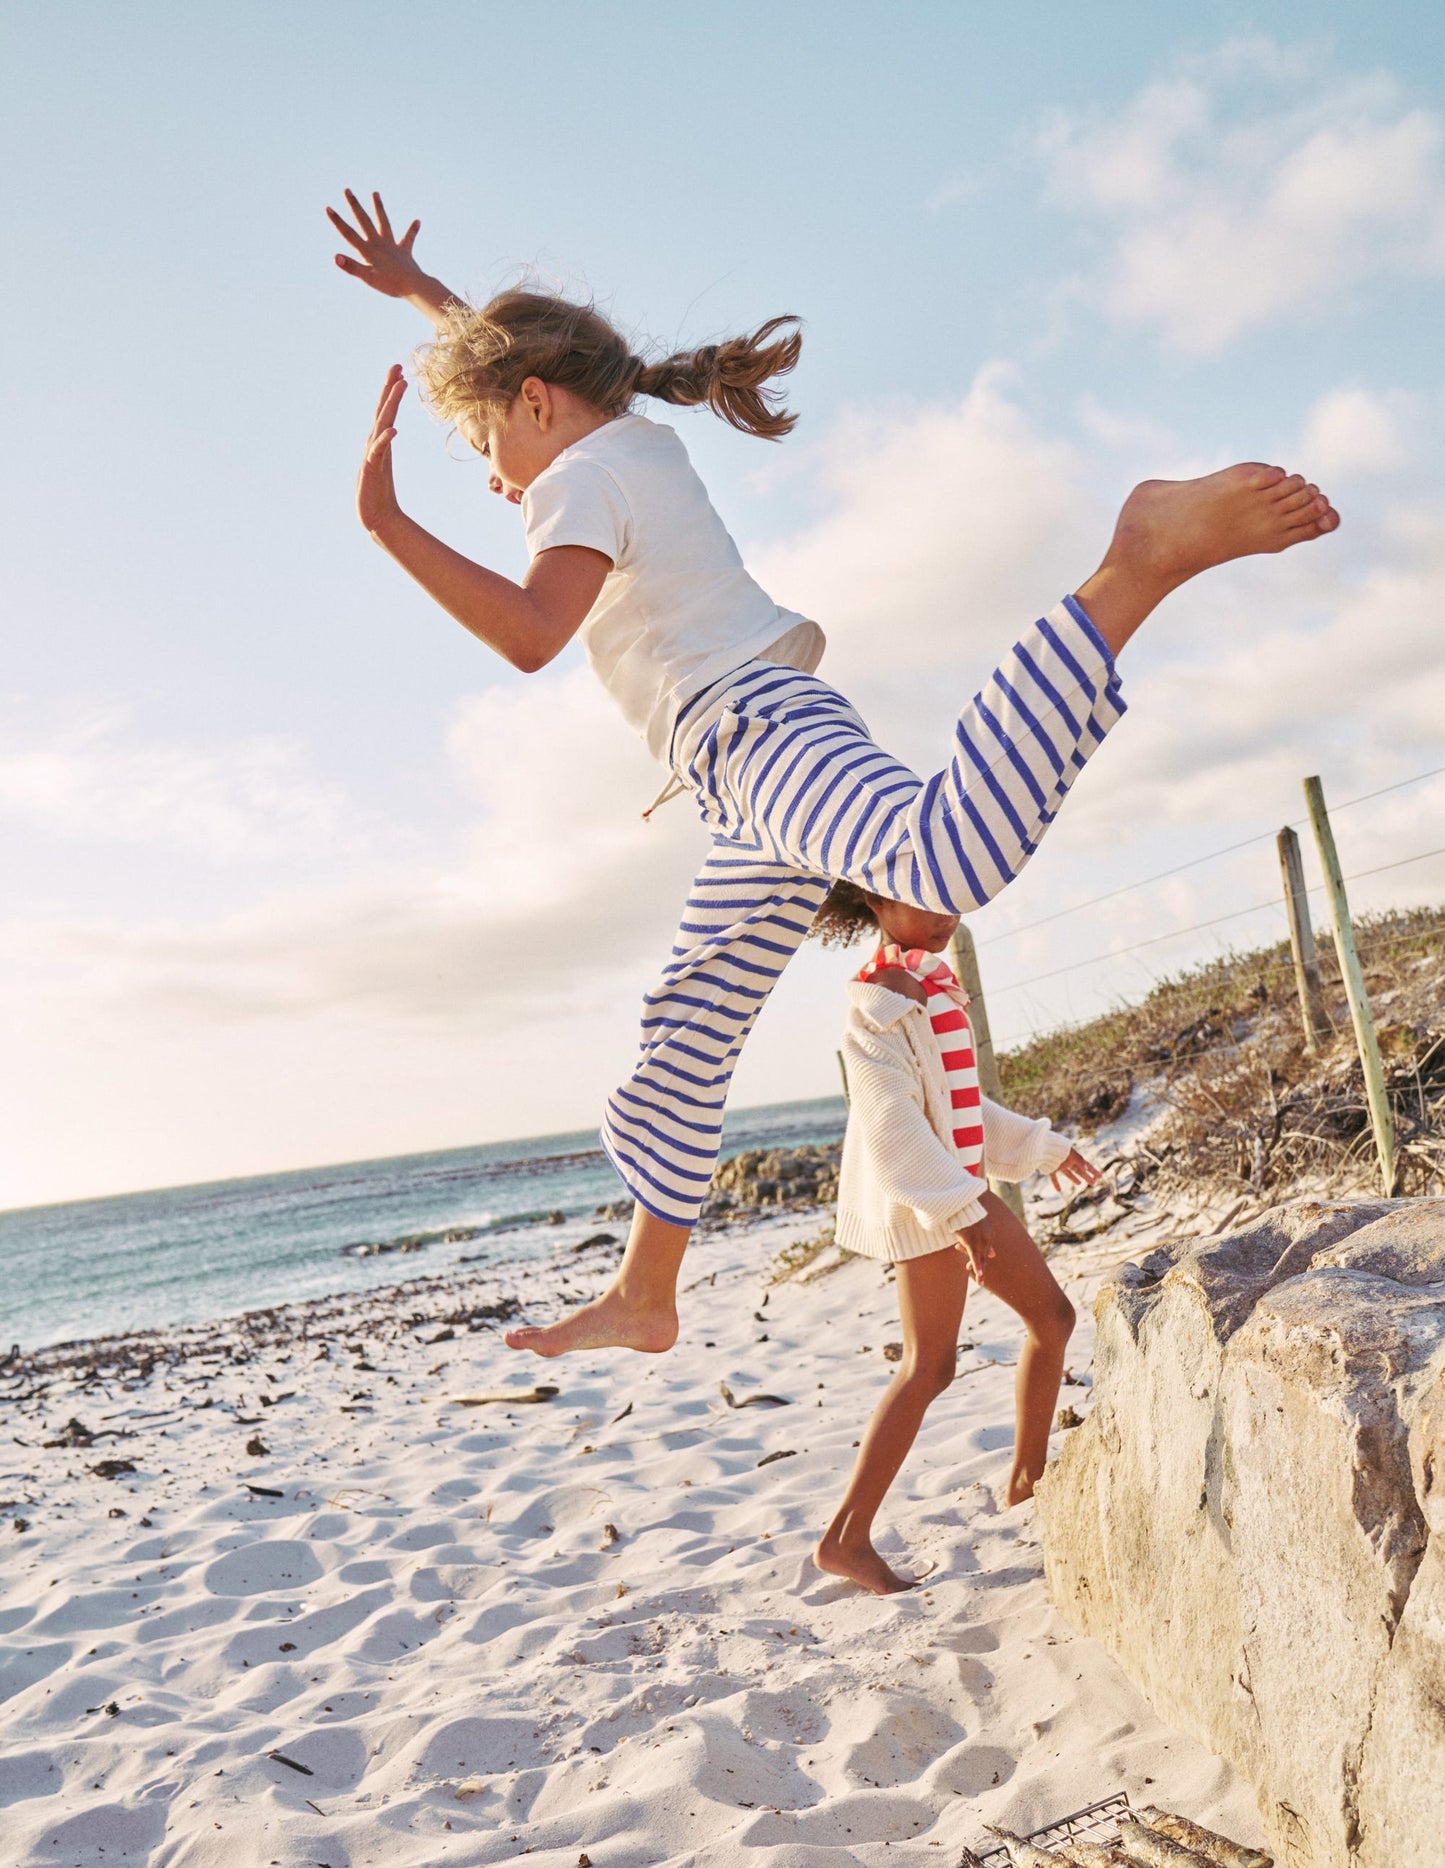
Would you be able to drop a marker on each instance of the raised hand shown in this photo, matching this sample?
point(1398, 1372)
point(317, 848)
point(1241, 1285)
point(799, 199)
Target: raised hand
point(375, 487)
point(385, 263)
point(1076, 1169)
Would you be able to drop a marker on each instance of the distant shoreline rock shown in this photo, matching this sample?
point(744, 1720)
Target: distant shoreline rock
point(774, 1177)
point(759, 1179)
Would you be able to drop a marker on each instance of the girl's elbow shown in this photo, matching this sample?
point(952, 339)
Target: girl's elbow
point(538, 648)
point(531, 660)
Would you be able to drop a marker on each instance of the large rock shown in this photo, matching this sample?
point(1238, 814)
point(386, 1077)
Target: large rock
point(1252, 1520)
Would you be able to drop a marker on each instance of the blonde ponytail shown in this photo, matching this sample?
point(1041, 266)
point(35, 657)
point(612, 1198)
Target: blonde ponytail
point(732, 378)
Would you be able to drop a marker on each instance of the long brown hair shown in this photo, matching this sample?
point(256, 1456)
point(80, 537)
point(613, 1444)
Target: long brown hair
point(482, 357)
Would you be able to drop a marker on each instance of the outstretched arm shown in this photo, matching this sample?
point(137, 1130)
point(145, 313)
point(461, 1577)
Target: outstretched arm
point(528, 624)
point(386, 263)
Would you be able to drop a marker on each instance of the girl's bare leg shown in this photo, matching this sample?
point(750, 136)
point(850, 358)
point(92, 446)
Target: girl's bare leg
point(1018, 1274)
point(931, 1294)
point(638, 1310)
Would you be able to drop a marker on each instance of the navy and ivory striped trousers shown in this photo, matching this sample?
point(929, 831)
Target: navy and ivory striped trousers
point(797, 796)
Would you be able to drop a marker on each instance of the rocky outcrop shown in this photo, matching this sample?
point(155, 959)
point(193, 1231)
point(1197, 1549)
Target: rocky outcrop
point(762, 1177)
point(759, 1177)
point(1252, 1519)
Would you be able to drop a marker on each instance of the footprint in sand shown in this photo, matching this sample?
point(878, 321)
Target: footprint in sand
point(395, 1633)
point(465, 1573)
point(260, 1644)
point(276, 1565)
point(906, 1738)
point(109, 1831)
point(337, 1757)
point(423, 1537)
point(478, 1747)
point(91, 1609)
point(973, 1769)
point(20, 1668)
point(26, 1774)
point(366, 1570)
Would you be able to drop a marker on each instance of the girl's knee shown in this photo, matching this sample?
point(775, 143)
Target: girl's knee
point(930, 1377)
point(1052, 1322)
point(1060, 1318)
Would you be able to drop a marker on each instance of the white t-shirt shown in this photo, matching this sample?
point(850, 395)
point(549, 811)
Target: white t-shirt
point(677, 610)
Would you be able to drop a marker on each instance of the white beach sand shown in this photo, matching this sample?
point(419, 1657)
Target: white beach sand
point(436, 1620)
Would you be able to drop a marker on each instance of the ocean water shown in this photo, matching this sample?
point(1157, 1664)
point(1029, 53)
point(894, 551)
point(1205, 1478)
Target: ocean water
point(184, 1254)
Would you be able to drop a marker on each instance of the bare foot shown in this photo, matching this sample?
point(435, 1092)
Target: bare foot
point(861, 1564)
point(608, 1322)
point(1020, 1489)
point(1171, 530)
point(1175, 529)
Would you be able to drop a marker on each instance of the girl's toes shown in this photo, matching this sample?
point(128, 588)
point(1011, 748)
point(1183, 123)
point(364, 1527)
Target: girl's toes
point(1290, 486)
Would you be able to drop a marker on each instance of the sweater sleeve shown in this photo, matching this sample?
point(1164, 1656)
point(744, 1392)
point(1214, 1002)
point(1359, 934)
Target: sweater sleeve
point(913, 1168)
point(1014, 1147)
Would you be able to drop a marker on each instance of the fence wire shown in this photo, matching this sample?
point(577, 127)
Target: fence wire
point(1229, 849)
point(1234, 914)
point(1267, 969)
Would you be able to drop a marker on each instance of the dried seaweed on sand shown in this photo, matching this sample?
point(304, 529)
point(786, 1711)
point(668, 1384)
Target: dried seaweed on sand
point(758, 1400)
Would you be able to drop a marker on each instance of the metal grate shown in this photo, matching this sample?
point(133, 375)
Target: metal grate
point(1098, 1823)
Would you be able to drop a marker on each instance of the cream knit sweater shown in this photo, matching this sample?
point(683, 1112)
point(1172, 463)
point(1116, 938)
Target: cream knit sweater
point(902, 1191)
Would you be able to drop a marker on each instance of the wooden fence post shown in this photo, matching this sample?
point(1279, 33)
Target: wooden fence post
point(1381, 1121)
point(964, 955)
point(1317, 1025)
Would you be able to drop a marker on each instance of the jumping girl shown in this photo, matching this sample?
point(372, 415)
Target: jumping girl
point(913, 1192)
point(627, 550)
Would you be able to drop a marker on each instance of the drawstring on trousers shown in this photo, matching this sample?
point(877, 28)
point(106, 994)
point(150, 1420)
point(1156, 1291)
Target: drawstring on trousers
point(674, 788)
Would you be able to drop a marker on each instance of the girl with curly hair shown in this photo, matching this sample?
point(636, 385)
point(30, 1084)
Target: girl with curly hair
point(921, 1143)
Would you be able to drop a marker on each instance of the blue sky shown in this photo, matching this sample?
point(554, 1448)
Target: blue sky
point(296, 872)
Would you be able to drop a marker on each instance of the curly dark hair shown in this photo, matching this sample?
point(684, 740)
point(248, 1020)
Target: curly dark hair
point(844, 917)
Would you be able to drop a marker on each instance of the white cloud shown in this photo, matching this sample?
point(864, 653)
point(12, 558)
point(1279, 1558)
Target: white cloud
point(558, 881)
point(562, 783)
point(1250, 188)
point(424, 1006)
point(1351, 431)
point(90, 775)
point(945, 531)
